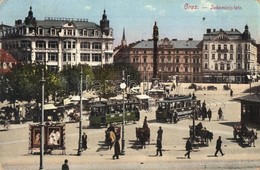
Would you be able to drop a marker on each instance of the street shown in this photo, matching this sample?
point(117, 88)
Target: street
point(14, 143)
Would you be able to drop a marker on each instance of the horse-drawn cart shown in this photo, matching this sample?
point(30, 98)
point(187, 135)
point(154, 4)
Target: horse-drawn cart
point(143, 135)
point(244, 135)
point(201, 134)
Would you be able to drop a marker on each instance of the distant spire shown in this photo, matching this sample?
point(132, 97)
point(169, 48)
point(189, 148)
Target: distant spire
point(123, 41)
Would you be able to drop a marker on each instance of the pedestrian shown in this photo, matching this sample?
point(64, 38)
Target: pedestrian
point(159, 133)
point(220, 114)
point(218, 146)
point(84, 141)
point(145, 124)
point(231, 93)
point(159, 147)
point(188, 148)
point(209, 114)
point(65, 166)
point(116, 149)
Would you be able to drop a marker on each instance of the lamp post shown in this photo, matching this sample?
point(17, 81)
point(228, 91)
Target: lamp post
point(80, 115)
point(42, 81)
point(123, 86)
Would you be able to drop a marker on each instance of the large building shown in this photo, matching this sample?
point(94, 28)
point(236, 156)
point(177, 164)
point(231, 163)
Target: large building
point(56, 42)
point(180, 58)
point(229, 56)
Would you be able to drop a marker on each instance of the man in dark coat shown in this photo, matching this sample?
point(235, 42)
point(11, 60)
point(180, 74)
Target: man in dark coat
point(159, 133)
point(65, 166)
point(116, 149)
point(84, 141)
point(159, 147)
point(188, 148)
point(218, 146)
point(209, 114)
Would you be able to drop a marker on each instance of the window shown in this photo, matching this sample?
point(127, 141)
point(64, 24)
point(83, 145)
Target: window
point(231, 56)
point(206, 56)
point(231, 47)
point(177, 59)
point(107, 46)
point(222, 66)
point(40, 44)
point(145, 59)
point(225, 56)
point(85, 45)
point(206, 47)
point(69, 32)
point(135, 60)
point(186, 69)
point(73, 44)
point(238, 66)
point(40, 31)
point(169, 69)
point(219, 56)
point(40, 56)
point(53, 31)
point(238, 56)
point(216, 66)
point(53, 44)
point(53, 57)
point(228, 66)
point(219, 47)
point(169, 59)
point(213, 56)
point(96, 57)
point(206, 66)
point(213, 47)
point(177, 69)
point(225, 46)
point(96, 45)
point(69, 45)
point(66, 56)
point(162, 59)
point(85, 33)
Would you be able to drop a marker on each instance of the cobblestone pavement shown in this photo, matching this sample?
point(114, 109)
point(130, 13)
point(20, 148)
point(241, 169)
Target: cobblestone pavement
point(14, 143)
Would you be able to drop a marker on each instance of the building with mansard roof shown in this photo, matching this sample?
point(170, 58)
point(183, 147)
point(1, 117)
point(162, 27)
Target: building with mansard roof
point(56, 42)
point(180, 58)
point(229, 56)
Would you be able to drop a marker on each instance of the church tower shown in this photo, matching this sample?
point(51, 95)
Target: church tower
point(123, 41)
point(246, 34)
point(104, 24)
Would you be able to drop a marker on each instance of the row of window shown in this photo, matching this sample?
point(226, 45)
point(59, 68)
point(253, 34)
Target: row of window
point(54, 45)
point(166, 52)
point(177, 69)
point(225, 46)
point(169, 60)
point(225, 56)
point(70, 57)
point(222, 66)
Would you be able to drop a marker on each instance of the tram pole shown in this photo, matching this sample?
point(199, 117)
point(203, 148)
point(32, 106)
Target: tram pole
point(42, 81)
point(123, 86)
point(80, 115)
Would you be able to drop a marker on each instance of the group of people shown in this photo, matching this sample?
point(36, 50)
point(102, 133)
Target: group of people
point(208, 113)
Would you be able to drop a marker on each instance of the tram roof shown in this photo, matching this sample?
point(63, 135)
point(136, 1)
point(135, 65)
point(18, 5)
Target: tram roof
point(176, 98)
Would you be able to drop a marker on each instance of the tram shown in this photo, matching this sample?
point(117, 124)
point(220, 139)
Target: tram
point(174, 108)
point(102, 114)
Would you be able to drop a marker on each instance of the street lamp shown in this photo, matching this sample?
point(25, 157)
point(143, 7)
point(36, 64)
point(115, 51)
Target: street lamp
point(42, 81)
point(127, 84)
point(123, 86)
point(80, 115)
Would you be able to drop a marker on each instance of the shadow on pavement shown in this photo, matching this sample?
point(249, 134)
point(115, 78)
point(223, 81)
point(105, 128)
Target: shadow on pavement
point(230, 123)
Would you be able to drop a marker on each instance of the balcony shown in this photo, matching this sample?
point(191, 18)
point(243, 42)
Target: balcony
point(222, 50)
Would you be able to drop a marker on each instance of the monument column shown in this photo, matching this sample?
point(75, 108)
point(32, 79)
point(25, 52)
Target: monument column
point(155, 53)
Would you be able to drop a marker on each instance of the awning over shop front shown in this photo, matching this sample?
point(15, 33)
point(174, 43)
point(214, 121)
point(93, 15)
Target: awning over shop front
point(142, 97)
point(49, 107)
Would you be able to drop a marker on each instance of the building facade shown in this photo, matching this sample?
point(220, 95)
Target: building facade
point(229, 56)
point(6, 62)
point(56, 42)
point(176, 58)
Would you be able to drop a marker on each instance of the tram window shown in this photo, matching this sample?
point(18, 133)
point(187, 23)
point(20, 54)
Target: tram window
point(182, 104)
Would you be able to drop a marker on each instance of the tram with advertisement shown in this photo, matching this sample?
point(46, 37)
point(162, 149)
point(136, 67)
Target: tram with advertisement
point(174, 108)
point(105, 113)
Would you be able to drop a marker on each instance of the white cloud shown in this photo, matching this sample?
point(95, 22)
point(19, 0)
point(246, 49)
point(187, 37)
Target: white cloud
point(87, 7)
point(162, 12)
point(205, 5)
point(150, 8)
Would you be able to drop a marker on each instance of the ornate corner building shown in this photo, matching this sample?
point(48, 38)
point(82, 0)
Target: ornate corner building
point(229, 56)
point(56, 42)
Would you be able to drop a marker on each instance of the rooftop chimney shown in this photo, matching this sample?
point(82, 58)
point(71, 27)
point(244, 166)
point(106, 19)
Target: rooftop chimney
point(208, 30)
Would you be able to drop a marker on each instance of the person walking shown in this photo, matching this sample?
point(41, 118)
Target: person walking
point(231, 93)
point(159, 147)
point(188, 148)
point(218, 147)
point(65, 166)
point(209, 114)
point(220, 114)
point(84, 141)
point(116, 149)
point(159, 133)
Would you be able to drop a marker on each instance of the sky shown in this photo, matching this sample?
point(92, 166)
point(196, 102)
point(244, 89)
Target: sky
point(176, 19)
